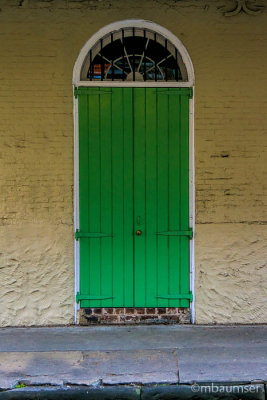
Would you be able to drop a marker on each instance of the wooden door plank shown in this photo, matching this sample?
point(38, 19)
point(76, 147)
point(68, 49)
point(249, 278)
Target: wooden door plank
point(84, 195)
point(117, 197)
point(139, 198)
point(184, 132)
point(174, 196)
point(151, 197)
point(106, 198)
point(127, 108)
point(162, 195)
point(94, 197)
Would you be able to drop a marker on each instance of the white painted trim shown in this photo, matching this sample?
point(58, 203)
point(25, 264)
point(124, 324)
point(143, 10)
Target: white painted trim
point(134, 23)
point(192, 201)
point(132, 84)
point(76, 82)
point(76, 206)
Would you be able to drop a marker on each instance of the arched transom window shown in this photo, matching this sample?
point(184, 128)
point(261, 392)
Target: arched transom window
point(134, 54)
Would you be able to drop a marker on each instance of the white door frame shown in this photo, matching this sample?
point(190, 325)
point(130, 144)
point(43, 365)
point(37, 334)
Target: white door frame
point(135, 23)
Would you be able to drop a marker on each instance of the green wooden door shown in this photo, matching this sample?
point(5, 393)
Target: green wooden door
point(134, 176)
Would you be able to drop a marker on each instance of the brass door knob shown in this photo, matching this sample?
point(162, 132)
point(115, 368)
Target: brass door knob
point(138, 233)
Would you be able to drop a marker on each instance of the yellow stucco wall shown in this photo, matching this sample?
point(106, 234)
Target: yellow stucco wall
point(40, 42)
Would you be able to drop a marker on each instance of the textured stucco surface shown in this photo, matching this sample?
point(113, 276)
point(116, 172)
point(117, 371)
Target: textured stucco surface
point(40, 41)
point(231, 287)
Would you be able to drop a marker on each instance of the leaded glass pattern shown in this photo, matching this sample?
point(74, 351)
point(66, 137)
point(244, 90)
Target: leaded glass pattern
point(134, 54)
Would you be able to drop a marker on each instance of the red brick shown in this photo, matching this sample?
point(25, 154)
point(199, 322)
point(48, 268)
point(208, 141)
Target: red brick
point(140, 310)
point(151, 311)
point(161, 310)
point(97, 310)
point(108, 311)
point(171, 310)
point(129, 310)
point(119, 310)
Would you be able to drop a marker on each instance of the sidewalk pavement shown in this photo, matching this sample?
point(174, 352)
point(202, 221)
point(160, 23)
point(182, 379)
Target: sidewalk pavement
point(111, 355)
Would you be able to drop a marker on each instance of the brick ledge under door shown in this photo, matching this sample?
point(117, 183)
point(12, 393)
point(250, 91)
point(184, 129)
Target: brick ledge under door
point(148, 315)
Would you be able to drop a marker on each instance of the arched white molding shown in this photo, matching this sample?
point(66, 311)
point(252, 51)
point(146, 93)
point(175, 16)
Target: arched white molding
point(133, 23)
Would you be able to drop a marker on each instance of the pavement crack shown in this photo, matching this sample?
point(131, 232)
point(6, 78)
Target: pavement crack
point(177, 365)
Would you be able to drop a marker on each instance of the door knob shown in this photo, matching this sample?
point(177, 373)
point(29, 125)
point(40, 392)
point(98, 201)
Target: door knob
point(138, 233)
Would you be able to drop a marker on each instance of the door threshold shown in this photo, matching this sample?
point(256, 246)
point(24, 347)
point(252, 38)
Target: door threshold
point(131, 315)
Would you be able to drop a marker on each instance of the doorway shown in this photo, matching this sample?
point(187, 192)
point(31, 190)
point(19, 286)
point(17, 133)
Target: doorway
point(134, 197)
point(133, 192)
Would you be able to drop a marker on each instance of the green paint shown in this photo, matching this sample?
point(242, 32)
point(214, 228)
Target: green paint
point(177, 296)
point(188, 233)
point(134, 175)
point(80, 297)
point(79, 235)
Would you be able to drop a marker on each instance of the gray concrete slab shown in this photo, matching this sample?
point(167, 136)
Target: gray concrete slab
point(131, 337)
point(139, 354)
point(205, 364)
point(88, 368)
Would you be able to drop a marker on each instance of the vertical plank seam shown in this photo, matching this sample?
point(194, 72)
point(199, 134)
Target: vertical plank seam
point(88, 198)
point(133, 219)
point(123, 190)
point(100, 195)
point(180, 194)
point(145, 205)
point(112, 190)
